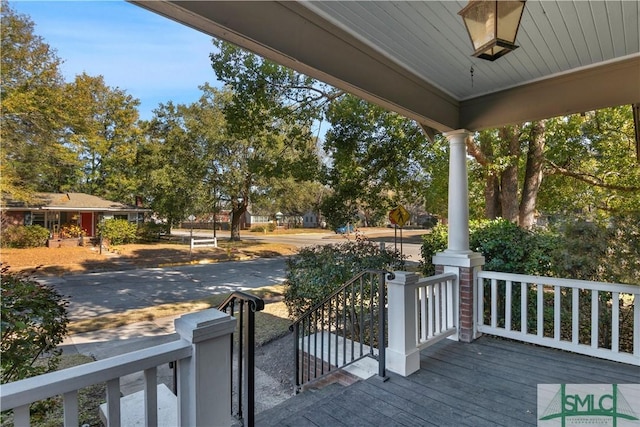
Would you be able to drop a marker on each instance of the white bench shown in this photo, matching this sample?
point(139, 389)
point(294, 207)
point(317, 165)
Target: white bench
point(204, 242)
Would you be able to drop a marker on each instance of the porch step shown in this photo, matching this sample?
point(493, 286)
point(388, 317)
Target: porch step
point(288, 410)
point(132, 409)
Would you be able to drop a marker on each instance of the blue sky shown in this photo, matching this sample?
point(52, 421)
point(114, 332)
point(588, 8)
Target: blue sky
point(152, 58)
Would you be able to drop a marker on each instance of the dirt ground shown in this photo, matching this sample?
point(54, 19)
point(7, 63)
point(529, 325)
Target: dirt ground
point(85, 259)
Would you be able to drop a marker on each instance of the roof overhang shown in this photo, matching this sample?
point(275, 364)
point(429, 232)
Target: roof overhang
point(350, 45)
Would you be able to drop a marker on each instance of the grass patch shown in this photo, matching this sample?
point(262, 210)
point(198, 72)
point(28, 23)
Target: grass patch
point(272, 323)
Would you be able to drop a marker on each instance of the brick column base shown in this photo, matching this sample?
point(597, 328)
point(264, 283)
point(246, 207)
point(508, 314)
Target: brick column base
point(466, 304)
point(466, 288)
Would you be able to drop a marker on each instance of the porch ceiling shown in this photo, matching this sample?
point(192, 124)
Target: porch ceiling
point(414, 57)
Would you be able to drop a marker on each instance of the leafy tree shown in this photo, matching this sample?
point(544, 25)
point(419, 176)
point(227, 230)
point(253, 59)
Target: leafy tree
point(104, 132)
point(172, 164)
point(378, 160)
point(269, 118)
point(562, 165)
point(624, 247)
point(194, 162)
point(268, 97)
point(33, 112)
point(593, 155)
point(504, 155)
point(58, 136)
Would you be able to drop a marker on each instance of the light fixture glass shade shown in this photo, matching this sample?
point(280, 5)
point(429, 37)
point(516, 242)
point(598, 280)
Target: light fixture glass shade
point(492, 26)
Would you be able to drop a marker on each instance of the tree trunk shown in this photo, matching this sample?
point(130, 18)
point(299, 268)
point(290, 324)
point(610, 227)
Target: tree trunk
point(482, 151)
point(491, 196)
point(533, 175)
point(238, 209)
point(509, 178)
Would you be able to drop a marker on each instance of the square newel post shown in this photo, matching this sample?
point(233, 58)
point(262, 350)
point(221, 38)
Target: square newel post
point(204, 392)
point(403, 356)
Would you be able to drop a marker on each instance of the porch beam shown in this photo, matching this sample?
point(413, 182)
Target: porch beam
point(608, 84)
point(319, 49)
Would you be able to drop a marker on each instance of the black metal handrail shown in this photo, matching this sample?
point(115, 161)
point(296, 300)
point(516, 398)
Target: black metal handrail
point(250, 304)
point(353, 316)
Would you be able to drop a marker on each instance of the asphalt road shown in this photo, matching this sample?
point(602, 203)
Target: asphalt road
point(97, 294)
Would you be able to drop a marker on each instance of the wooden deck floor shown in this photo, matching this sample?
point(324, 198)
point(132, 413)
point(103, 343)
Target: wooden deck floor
point(490, 382)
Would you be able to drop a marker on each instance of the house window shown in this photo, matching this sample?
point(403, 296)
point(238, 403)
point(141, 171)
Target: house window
point(37, 218)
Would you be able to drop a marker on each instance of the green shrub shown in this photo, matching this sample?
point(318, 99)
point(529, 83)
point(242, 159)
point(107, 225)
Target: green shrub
point(151, 230)
point(24, 236)
point(510, 248)
point(505, 246)
point(118, 231)
point(584, 250)
point(34, 321)
point(600, 252)
point(317, 271)
point(432, 242)
point(624, 247)
point(271, 226)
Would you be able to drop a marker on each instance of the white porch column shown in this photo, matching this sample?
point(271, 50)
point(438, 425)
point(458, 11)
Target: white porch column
point(458, 212)
point(402, 354)
point(204, 392)
point(457, 258)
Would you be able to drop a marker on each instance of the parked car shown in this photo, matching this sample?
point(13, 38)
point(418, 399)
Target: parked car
point(345, 229)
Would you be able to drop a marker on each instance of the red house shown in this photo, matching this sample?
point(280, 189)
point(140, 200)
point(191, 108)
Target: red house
point(55, 210)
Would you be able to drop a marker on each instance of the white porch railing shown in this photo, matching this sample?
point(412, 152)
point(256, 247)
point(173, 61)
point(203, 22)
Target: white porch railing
point(435, 309)
point(422, 311)
point(203, 364)
point(555, 312)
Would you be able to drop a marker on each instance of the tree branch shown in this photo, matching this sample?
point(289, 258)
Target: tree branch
point(476, 152)
point(589, 179)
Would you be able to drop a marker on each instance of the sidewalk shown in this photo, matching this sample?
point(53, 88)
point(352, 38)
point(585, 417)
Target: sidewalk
point(107, 343)
point(136, 336)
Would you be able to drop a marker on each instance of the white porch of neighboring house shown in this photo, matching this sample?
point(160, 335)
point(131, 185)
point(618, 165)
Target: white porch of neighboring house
point(574, 56)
